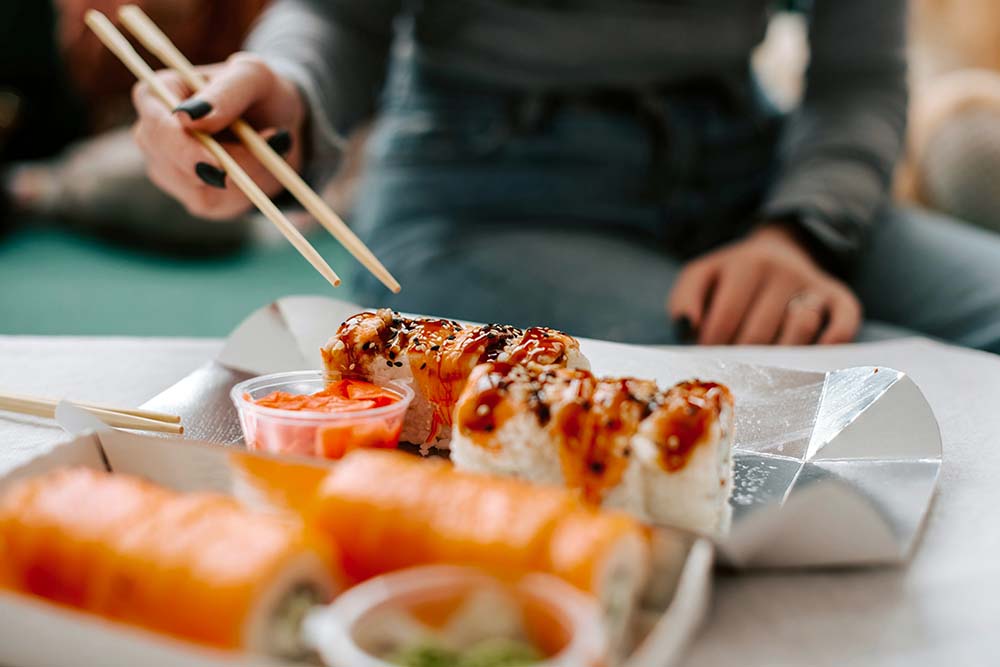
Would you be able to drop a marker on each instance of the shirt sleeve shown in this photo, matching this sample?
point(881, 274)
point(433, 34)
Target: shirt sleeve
point(840, 147)
point(336, 52)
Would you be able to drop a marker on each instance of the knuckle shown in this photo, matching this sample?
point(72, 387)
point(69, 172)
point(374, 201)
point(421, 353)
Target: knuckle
point(138, 135)
point(189, 155)
point(167, 76)
point(153, 174)
point(758, 262)
point(139, 91)
point(253, 65)
point(200, 204)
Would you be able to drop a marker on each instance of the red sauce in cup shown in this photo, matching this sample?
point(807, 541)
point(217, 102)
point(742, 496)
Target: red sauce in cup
point(339, 396)
point(349, 400)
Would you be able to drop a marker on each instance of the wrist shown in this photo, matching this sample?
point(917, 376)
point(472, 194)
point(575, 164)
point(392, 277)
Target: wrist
point(782, 231)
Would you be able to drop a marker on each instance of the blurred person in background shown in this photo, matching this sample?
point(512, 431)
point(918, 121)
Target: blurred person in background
point(579, 162)
point(66, 151)
point(952, 161)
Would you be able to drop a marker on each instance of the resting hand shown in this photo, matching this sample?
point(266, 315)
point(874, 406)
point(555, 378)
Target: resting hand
point(761, 290)
point(243, 86)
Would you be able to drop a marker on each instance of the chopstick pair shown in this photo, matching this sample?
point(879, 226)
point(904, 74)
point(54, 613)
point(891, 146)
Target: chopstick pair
point(143, 28)
point(133, 418)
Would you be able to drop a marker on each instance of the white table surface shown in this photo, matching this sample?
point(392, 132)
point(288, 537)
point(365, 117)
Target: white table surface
point(940, 610)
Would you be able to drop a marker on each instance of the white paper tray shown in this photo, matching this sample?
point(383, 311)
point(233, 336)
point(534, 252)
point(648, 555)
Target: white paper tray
point(34, 633)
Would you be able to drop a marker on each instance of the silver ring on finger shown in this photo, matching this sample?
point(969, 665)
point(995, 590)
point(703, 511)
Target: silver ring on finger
point(807, 301)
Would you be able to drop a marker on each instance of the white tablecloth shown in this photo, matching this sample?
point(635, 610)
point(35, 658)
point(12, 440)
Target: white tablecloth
point(940, 610)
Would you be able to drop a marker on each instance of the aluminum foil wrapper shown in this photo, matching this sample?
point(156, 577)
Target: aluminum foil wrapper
point(831, 469)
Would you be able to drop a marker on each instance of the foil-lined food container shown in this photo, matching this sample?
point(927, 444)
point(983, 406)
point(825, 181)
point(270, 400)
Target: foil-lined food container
point(830, 469)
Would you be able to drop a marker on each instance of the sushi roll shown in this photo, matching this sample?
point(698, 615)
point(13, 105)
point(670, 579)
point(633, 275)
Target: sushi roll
point(607, 554)
point(198, 567)
point(437, 356)
point(663, 456)
point(390, 510)
point(266, 483)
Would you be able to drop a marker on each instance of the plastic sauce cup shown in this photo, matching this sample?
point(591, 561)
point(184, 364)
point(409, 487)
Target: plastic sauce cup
point(561, 621)
point(327, 435)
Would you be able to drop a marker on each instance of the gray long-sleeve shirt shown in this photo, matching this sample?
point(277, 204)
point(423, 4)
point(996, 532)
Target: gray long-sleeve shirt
point(841, 144)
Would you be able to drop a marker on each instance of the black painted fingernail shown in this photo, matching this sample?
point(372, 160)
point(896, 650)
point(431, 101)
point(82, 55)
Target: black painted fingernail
point(211, 175)
point(194, 108)
point(280, 142)
point(685, 332)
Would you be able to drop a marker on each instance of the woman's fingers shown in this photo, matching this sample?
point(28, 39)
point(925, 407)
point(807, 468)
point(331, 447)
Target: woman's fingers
point(179, 163)
point(804, 317)
point(691, 290)
point(199, 196)
point(763, 322)
point(149, 105)
point(252, 166)
point(199, 199)
point(730, 299)
point(232, 89)
point(845, 319)
point(162, 138)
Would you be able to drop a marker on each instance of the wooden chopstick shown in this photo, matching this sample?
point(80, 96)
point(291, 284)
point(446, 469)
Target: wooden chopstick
point(121, 47)
point(135, 412)
point(147, 32)
point(142, 420)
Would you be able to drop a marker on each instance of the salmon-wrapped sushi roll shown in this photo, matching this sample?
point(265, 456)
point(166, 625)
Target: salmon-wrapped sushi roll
point(664, 456)
point(437, 356)
point(606, 554)
point(389, 510)
point(267, 483)
point(198, 567)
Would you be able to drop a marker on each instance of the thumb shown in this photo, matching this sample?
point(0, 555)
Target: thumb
point(233, 88)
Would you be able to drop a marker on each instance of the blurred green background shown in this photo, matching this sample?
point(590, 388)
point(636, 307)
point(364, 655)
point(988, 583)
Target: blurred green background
point(59, 282)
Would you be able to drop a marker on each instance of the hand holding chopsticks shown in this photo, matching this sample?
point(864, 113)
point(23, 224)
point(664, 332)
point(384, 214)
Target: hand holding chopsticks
point(143, 28)
point(133, 418)
point(158, 43)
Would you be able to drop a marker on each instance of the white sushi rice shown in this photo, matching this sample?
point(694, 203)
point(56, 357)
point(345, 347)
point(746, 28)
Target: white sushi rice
point(273, 625)
point(419, 420)
point(694, 498)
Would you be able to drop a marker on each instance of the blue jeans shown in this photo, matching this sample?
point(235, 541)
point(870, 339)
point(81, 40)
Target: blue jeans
point(574, 217)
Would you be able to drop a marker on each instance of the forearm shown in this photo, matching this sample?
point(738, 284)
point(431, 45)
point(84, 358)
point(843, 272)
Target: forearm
point(840, 148)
